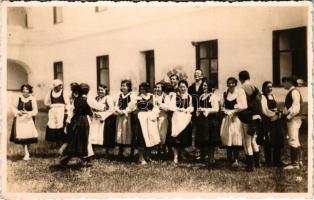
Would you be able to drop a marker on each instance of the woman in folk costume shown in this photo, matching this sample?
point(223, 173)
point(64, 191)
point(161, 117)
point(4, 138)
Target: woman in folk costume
point(231, 130)
point(124, 108)
point(273, 138)
point(207, 136)
point(161, 100)
point(23, 128)
point(181, 129)
point(103, 123)
point(75, 87)
point(58, 103)
point(79, 127)
point(145, 128)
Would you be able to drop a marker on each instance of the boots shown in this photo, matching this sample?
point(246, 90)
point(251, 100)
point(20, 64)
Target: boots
point(295, 159)
point(257, 160)
point(249, 163)
point(277, 157)
point(229, 155)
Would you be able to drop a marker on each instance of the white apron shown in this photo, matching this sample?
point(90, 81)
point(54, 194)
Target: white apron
point(149, 126)
point(25, 127)
point(180, 120)
point(163, 126)
point(97, 128)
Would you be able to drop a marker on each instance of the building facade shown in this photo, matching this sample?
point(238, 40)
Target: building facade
point(107, 44)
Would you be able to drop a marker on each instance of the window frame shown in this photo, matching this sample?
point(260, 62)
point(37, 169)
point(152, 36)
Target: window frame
point(198, 59)
point(55, 15)
point(149, 56)
point(99, 69)
point(276, 54)
point(56, 72)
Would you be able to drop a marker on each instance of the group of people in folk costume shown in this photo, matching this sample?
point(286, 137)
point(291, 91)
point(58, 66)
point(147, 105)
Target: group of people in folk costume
point(242, 118)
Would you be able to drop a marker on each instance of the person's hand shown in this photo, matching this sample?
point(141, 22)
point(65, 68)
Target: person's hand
point(274, 118)
point(19, 113)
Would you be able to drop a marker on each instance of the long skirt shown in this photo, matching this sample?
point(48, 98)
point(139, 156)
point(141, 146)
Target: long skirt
point(163, 126)
point(23, 131)
point(231, 131)
point(272, 132)
point(146, 133)
point(181, 130)
point(207, 131)
point(78, 137)
point(102, 131)
point(124, 130)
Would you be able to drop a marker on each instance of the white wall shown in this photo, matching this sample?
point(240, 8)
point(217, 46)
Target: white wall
point(244, 41)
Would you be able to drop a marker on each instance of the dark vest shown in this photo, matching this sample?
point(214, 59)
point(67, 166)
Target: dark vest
point(289, 100)
point(27, 106)
point(59, 99)
point(123, 102)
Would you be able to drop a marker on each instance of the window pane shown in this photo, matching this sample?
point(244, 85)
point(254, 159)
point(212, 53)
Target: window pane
point(203, 51)
point(285, 64)
point(213, 49)
point(57, 15)
point(204, 67)
point(104, 77)
point(214, 66)
point(284, 41)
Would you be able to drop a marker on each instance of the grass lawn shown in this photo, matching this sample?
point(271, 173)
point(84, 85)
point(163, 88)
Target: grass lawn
point(108, 174)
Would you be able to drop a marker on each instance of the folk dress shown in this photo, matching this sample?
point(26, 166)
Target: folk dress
point(126, 104)
point(231, 131)
point(78, 132)
point(207, 130)
point(23, 128)
point(162, 102)
point(103, 123)
point(272, 130)
point(146, 126)
point(58, 102)
point(181, 128)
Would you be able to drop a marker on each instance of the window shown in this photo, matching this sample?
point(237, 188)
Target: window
point(100, 9)
point(289, 54)
point(57, 15)
point(150, 67)
point(58, 70)
point(207, 60)
point(102, 63)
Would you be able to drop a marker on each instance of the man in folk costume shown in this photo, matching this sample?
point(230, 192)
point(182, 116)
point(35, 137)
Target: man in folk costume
point(58, 103)
point(292, 110)
point(196, 90)
point(251, 119)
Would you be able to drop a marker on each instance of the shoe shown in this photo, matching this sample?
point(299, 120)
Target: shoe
point(26, 157)
point(143, 162)
point(175, 160)
point(292, 166)
point(235, 164)
point(257, 160)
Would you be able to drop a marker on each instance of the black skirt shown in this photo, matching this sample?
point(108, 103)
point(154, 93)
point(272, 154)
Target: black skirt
point(183, 140)
point(207, 131)
point(110, 131)
point(78, 132)
point(137, 139)
point(272, 133)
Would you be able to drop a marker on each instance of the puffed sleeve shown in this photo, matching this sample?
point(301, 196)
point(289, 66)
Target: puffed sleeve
point(47, 100)
point(165, 105)
point(296, 106)
point(215, 105)
point(66, 96)
point(132, 104)
point(172, 104)
point(265, 109)
point(95, 104)
point(241, 100)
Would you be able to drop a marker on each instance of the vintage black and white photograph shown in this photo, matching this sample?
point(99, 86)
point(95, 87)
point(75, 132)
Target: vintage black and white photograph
point(169, 99)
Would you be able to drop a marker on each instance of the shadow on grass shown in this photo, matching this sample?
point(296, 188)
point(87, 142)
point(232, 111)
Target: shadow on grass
point(73, 167)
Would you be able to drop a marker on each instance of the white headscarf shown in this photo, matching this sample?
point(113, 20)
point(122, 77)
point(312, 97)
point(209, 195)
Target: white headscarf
point(56, 83)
